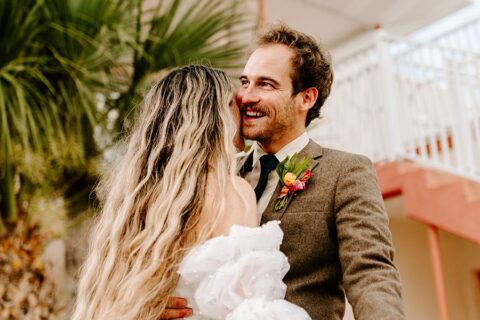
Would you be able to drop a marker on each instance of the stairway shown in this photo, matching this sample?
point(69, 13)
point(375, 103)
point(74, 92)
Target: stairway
point(433, 197)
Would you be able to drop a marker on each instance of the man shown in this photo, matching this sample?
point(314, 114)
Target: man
point(336, 233)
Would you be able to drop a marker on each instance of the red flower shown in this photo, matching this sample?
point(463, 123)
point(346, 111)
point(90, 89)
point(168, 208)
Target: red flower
point(306, 176)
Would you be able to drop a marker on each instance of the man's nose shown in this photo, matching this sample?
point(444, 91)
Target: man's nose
point(248, 95)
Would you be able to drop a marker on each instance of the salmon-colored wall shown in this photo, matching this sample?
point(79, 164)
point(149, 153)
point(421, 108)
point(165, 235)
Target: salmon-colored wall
point(460, 259)
point(413, 260)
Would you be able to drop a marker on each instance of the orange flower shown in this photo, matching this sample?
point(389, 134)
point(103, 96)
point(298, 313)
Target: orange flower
point(284, 192)
point(289, 179)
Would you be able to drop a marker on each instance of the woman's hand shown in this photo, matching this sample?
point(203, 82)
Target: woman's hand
point(177, 308)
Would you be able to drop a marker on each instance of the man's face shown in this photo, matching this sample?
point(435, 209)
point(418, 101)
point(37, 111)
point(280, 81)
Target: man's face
point(237, 117)
point(265, 95)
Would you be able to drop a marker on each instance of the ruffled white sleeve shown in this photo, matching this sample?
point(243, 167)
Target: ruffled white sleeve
point(239, 277)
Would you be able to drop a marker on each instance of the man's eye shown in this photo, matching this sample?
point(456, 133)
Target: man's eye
point(244, 83)
point(265, 84)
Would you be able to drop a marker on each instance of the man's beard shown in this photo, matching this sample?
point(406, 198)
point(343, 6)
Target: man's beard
point(268, 132)
point(279, 124)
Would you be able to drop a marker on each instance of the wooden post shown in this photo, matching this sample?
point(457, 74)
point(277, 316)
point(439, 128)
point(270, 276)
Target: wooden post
point(388, 94)
point(261, 14)
point(438, 271)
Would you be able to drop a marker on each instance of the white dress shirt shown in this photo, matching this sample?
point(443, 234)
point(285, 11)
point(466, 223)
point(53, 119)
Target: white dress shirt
point(252, 177)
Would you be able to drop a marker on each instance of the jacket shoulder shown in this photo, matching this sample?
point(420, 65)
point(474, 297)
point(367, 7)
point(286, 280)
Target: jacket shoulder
point(343, 158)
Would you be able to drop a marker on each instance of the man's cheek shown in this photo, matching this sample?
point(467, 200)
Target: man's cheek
point(238, 99)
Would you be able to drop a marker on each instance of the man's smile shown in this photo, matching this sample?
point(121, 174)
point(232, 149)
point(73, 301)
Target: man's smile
point(250, 114)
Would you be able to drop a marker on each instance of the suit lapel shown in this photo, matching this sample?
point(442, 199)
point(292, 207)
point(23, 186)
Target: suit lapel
point(245, 164)
point(312, 150)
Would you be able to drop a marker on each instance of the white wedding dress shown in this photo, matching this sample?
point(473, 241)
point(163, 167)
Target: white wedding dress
point(238, 277)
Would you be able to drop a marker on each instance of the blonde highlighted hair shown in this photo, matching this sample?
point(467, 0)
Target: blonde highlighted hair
point(155, 196)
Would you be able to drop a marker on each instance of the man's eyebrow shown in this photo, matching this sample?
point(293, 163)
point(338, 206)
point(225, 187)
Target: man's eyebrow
point(262, 78)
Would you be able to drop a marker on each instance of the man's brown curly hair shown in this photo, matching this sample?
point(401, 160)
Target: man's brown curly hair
point(312, 65)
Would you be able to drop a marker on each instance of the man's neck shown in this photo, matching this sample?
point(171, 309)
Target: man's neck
point(276, 145)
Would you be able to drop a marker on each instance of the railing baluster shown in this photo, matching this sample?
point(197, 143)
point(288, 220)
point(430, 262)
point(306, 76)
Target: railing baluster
point(389, 99)
point(399, 98)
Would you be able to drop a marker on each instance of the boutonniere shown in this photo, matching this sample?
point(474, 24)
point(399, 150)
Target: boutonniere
point(294, 175)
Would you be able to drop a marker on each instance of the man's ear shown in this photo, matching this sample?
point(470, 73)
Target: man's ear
point(309, 97)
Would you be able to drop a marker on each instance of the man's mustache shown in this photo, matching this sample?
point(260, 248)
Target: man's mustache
point(253, 107)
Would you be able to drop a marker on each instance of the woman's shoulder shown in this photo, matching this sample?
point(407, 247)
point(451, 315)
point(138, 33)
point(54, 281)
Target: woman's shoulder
point(246, 189)
point(239, 204)
point(242, 203)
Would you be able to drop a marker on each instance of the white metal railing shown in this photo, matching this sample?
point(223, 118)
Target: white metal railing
point(397, 98)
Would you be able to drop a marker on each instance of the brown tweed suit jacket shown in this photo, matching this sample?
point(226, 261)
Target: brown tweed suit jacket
point(337, 240)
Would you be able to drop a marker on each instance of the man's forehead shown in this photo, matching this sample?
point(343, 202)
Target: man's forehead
point(269, 61)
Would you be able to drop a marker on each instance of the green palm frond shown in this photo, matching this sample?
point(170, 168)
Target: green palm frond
point(57, 56)
point(204, 31)
point(184, 32)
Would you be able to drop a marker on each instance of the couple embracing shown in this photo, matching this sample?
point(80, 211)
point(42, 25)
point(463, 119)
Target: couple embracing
point(285, 234)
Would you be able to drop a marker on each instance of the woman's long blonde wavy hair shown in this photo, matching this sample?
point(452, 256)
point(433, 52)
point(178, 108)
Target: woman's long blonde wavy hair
point(155, 196)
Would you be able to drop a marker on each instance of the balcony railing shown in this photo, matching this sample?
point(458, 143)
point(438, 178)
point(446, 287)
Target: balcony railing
point(397, 98)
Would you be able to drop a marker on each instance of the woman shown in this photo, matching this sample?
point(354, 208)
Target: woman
point(174, 189)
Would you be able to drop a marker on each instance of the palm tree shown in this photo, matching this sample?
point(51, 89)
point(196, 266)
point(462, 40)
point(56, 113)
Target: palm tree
point(58, 56)
point(54, 56)
point(180, 33)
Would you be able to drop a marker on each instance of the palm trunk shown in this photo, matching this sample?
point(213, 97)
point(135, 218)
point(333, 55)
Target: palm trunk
point(3, 230)
point(9, 206)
